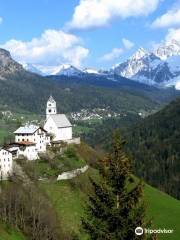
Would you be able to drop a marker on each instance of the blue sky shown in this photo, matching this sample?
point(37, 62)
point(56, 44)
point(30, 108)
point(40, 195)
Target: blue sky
point(87, 33)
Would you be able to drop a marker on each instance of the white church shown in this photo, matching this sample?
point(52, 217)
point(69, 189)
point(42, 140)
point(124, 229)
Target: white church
point(57, 124)
point(30, 140)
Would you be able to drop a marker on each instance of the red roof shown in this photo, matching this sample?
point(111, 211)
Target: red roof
point(25, 143)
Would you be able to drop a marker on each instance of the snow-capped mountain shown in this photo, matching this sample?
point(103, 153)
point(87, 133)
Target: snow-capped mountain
point(64, 69)
point(168, 49)
point(67, 70)
point(161, 67)
point(90, 71)
point(32, 68)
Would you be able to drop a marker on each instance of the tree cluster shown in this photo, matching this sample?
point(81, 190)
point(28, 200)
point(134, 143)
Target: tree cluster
point(25, 208)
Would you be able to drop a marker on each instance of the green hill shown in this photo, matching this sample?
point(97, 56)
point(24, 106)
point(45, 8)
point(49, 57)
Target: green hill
point(155, 145)
point(68, 198)
point(164, 210)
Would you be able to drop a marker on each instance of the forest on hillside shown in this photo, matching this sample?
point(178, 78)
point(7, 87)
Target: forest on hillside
point(153, 143)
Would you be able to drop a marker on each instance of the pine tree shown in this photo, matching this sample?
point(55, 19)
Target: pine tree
point(116, 206)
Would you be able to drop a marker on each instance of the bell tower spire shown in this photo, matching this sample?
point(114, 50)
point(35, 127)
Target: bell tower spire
point(51, 107)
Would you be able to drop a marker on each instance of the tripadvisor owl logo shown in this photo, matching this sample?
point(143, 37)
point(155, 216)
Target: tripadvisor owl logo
point(139, 231)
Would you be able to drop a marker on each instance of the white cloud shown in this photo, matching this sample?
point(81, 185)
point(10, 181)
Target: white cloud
point(1, 20)
point(115, 53)
point(127, 43)
point(97, 13)
point(173, 34)
point(51, 48)
point(169, 19)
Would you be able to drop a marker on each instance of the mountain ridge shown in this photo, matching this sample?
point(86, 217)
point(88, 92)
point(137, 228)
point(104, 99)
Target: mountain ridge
point(159, 68)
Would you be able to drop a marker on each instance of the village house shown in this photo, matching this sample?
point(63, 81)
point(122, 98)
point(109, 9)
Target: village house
point(5, 164)
point(25, 149)
point(32, 134)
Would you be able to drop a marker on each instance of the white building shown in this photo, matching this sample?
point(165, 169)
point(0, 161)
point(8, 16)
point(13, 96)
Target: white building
point(26, 149)
point(33, 134)
point(57, 124)
point(5, 164)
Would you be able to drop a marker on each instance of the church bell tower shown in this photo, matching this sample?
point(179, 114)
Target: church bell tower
point(51, 107)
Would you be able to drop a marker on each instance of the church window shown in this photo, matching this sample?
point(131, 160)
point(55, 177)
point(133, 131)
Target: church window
point(49, 110)
point(49, 105)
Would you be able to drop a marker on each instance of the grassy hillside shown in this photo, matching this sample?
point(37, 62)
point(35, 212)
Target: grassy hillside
point(69, 198)
point(164, 210)
point(6, 233)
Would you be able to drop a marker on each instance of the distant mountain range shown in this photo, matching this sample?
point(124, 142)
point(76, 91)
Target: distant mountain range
point(62, 70)
point(22, 90)
point(159, 68)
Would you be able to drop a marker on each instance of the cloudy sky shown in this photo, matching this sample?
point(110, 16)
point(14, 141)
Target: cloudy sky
point(85, 33)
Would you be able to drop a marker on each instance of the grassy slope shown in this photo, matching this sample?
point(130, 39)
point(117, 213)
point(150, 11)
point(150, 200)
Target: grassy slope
point(7, 234)
point(68, 198)
point(164, 210)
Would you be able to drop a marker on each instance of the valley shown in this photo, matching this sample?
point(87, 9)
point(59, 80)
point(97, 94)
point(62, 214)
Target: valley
point(90, 120)
point(96, 104)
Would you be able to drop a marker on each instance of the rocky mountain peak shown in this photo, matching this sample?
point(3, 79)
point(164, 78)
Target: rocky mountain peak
point(141, 52)
point(168, 49)
point(7, 64)
point(4, 53)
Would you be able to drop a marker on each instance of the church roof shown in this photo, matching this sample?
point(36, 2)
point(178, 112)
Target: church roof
point(51, 99)
point(61, 120)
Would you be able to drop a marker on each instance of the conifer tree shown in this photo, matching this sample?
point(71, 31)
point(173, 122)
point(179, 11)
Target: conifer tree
point(116, 206)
